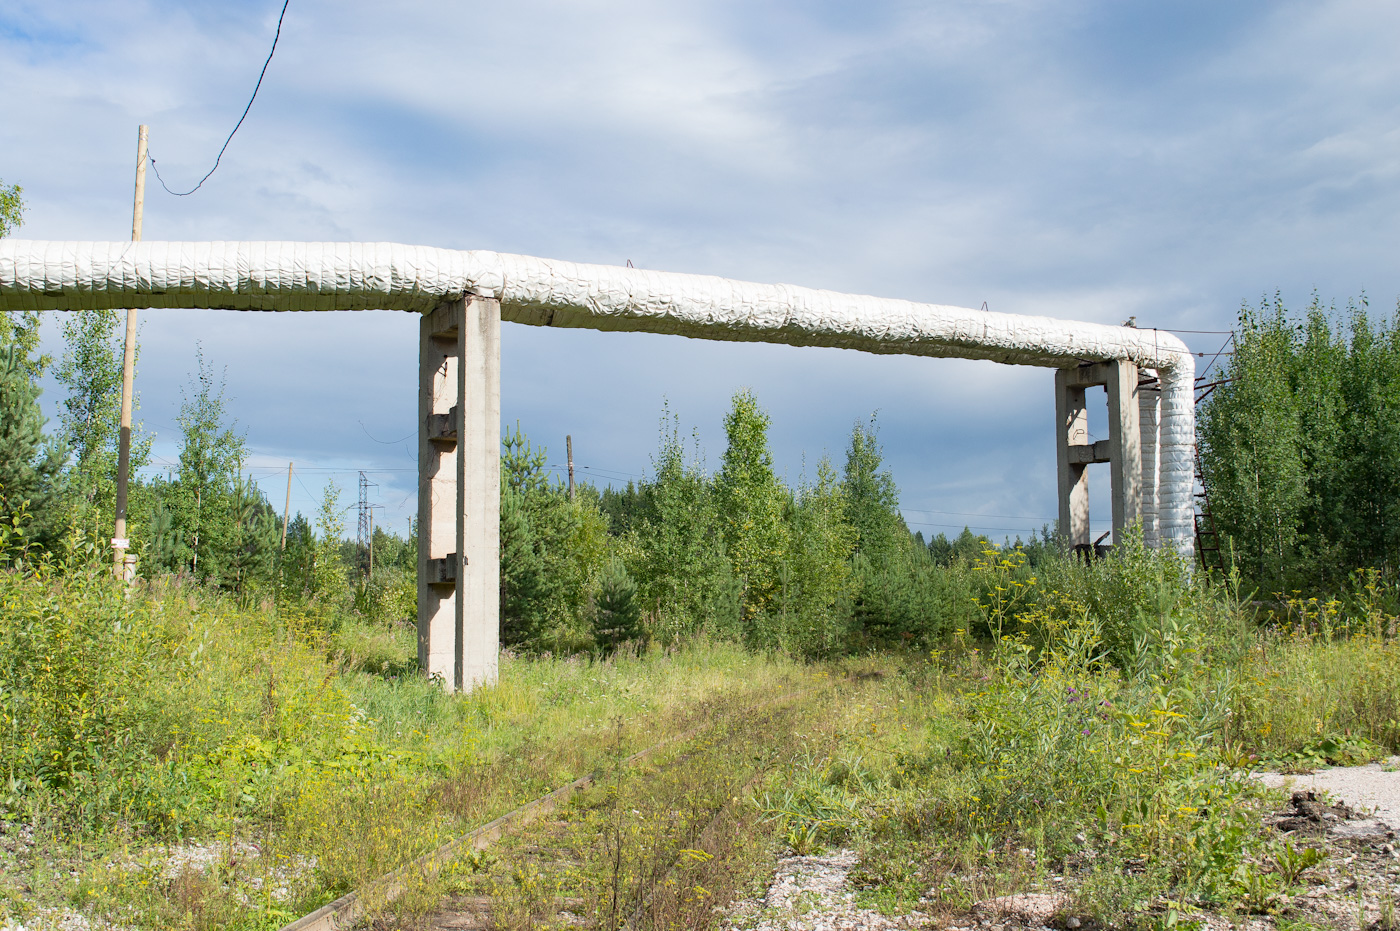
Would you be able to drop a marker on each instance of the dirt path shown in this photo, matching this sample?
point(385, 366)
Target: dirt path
point(1372, 789)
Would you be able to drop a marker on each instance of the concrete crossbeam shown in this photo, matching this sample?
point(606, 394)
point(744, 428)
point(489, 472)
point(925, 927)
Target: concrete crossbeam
point(1090, 454)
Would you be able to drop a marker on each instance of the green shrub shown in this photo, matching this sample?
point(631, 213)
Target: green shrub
point(908, 600)
point(617, 615)
point(80, 720)
point(388, 596)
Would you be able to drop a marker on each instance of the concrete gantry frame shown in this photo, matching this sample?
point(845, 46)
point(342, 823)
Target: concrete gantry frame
point(464, 295)
point(1122, 450)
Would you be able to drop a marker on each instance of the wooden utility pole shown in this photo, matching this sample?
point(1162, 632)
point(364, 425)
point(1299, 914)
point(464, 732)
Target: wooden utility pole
point(371, 539)
point(287, 508)
point(569, 445)
point(123, 568)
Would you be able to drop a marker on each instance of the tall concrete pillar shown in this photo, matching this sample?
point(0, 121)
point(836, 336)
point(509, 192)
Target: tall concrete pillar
point(459, 406)
point(1071, 440)
point(478, 606)
point(1122, 450)
point(1124, 447)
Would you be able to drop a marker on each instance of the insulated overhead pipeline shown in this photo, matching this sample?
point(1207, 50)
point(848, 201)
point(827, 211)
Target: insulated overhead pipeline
point(309, 276)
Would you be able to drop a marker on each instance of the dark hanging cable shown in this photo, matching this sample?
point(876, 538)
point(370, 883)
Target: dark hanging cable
point(277, 36)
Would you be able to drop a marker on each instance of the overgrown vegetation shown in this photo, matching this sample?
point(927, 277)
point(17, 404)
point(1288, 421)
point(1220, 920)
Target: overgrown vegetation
point(1107, 737)
point(304, 760)
point(1096, 721)
point(820, 570)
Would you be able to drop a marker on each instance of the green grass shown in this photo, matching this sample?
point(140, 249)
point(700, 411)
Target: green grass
point(1098, 724)
point(1105, 739)
point(180, 716)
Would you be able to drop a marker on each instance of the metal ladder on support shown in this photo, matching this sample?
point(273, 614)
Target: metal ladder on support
point(1208, 549)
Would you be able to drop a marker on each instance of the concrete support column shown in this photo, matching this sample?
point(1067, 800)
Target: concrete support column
point(459, 406)
point(1071, 439)
point(1075, 453)
point(1149, 419)
point(1124, 447)
point(478, 605)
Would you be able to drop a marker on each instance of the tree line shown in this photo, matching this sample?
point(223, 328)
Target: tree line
point(816, 568)
point(203, 518)
point(821, 567)
point(1300, 445)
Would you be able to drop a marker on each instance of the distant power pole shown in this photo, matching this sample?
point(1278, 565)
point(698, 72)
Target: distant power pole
point(287, 508)
point(569, 445)
point(366, 527)
point(123, 569)
point(371, 537)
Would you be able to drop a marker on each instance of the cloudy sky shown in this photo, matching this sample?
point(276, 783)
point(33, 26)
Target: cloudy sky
point(1089, 159)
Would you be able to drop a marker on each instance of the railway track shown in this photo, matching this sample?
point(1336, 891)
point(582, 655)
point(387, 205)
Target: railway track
point(657, 839)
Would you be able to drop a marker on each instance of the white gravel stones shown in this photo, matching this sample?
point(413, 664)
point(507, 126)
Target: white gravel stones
point(1028, 908)
point(1374, 787)
point(199, 857)
point(814, 894)
point(55, 919)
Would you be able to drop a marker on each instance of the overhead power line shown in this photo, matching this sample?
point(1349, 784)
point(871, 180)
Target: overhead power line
point(1026, 530)
point(975, 514)
point(220, 156)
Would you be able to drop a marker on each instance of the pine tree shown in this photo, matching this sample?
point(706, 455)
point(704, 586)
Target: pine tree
point(524, 584)
point(814, 603)
point(682, 572)
point(31, 513)
point(257, 534)
point(552, 550)
point(751, 507)
point(617, 615)
point(166, 549)
point(872, 500)
point(298, 557)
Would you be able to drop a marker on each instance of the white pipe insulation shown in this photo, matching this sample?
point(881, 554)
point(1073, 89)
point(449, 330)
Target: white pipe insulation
point(293, 276)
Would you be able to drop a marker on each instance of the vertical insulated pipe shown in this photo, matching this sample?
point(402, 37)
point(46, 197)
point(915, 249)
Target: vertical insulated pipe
point(1177, 455)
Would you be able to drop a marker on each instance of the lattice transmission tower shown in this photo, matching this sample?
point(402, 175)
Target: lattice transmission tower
point(365, 521)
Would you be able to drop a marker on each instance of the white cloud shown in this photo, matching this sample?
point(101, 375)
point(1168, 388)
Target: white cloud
point(1078, 158)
